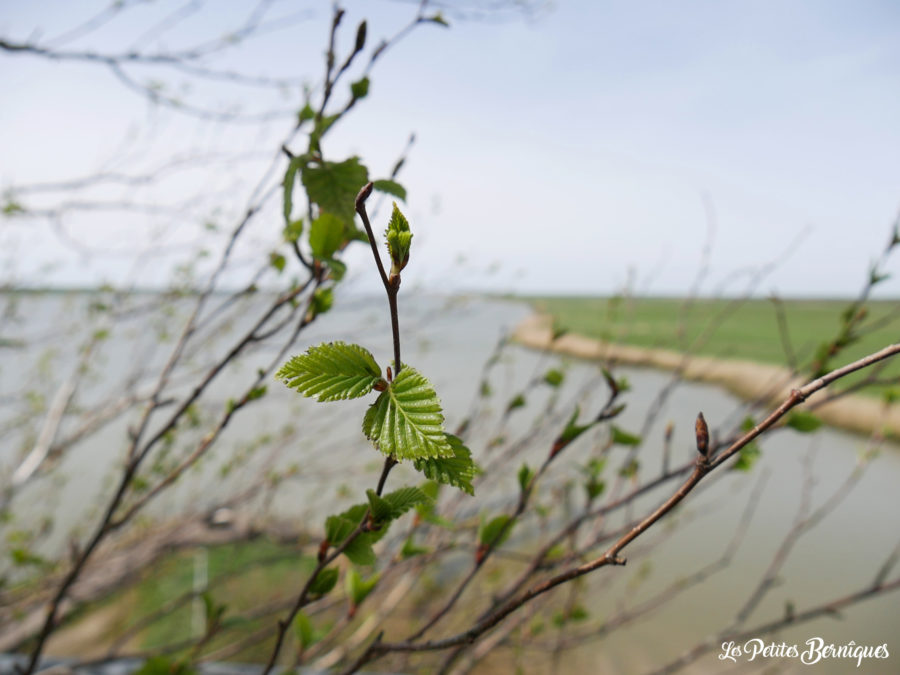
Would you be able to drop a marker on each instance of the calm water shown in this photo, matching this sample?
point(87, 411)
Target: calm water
point(449, 341)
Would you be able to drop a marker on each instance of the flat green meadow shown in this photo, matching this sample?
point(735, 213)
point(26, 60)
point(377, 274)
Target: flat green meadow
point(732, 329)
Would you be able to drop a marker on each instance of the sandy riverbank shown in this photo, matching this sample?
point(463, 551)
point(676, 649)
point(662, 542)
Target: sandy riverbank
point(746, 379)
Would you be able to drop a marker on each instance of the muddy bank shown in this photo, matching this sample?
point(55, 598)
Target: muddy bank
point(746, 379)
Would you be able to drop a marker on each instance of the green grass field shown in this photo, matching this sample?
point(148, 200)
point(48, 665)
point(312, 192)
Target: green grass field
point(726, 328)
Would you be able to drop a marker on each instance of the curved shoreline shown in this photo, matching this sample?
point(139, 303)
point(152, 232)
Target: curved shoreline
point(747, 380)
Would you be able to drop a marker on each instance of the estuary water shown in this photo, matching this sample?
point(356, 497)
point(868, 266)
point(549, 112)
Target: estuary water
point(449, 340)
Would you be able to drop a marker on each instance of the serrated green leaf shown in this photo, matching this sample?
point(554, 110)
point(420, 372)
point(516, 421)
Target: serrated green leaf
point(398, 239)
point(381, 510)
point(621, 437)
point(326, 234)
point(495, 532)
point(458, 470)
point(406, 421)
point(358, 589)
point(331, 371)
point(333, 186)
point(553, 377)
point(394, 504)
point(803, 421)
point(323, 583)
point(360, 88)
point(390, 187)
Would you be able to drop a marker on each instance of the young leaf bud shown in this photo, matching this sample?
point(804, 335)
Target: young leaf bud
point(702, 431)
point(364, 194)
point(360, 37)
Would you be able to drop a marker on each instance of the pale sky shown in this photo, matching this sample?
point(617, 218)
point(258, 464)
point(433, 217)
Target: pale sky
point(555, 153)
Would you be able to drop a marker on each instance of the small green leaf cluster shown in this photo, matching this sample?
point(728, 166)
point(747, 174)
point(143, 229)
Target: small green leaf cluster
point(362, 525)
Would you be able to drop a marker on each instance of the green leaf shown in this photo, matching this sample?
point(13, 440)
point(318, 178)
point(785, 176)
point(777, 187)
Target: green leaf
point(394, 504)
point(357, 588)
point(341, 526)
point(22, 556)
point(803, 421)
point(360, 88)
point(399, 239)
point(406, 421)
point(623, 437)
point(333, 186)
point(288, 183)
point(390, 187)
point(573, 430)
point(518, 401)
point(322, 301)
point(747, 457)
point(553, 377)
point(495, 532)
point(337, 267)
point(594, 488)
point(293, 230)
point(525, 476)
point(306, 113)
point(331, 371)
point(256, 393)
point(439, 19)
point(323, 583)
point(304, 631)
point(326, 234)
point(411, 549)
point(277, 261)
point(323, 124)
point(360, 551)
point(458, 470)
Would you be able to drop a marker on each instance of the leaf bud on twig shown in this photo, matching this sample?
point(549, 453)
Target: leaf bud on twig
point(702, 431)
point(364, 194)
point(360, 37)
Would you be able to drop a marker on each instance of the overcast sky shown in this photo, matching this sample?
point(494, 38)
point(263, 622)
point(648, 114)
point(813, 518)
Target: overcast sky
point(556, 153)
